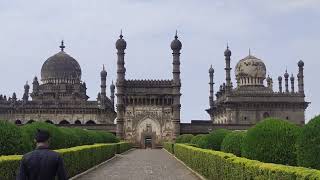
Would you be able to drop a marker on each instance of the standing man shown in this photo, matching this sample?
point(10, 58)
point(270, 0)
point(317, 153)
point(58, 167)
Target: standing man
point(42, 163)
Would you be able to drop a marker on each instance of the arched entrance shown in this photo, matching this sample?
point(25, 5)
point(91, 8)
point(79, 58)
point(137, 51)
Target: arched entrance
point(148, 132)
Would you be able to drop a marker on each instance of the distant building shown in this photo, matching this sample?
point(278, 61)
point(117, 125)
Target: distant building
point(60, 97)
point(148, 111)
point(251, 100)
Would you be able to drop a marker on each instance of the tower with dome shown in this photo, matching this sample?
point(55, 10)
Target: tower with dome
point(254, 97)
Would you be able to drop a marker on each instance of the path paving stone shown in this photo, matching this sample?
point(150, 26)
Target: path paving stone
point(141, 164)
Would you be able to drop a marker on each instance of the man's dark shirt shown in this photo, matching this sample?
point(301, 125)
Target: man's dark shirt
point(41, 164)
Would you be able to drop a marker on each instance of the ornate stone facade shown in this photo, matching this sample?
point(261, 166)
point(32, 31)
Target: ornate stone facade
point(61, 97)
point(252, 100)
point(148, 109)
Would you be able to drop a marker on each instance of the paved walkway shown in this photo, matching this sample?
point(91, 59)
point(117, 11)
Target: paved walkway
point(141, 164)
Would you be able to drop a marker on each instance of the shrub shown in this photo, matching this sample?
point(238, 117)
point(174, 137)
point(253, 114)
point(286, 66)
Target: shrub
point(214, 139)
point(184, 138)
point(11, 139)
point(232, 142)
point(272, 140)
point(195, 139)
point(169, 146)
point(123, 147)
point(57, 139)
point(76, 159)
point(308, 144)
point(219, 165)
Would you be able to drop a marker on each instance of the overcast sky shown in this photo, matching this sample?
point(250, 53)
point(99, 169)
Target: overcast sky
point(280, 32)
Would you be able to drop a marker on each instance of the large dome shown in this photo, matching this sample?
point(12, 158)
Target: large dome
point(250, 71)
point(61, 68)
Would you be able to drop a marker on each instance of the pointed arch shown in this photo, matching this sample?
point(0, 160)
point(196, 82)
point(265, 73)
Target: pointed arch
point(48, 121)
point(90, 122)
point(18, 121)
point(64, 122)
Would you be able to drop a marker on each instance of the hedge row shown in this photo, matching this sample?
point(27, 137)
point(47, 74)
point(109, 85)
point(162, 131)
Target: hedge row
point(123, 147)
point(19, 140)
point(219, 165)
point(76, 159)
point(169, 146)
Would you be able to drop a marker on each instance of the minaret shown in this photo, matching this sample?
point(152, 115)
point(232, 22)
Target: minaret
point(35, 85)
point(176, 46)
point(121, 71)
point(103, 75)
point(227, 54)
point(286, 78)
point(300, 77)
point(292, 83)
point(26, 92)
point(280, 84)
point(211, 83)
point(269, 82)
point(112, 88)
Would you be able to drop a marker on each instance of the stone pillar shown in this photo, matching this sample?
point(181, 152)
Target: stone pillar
point(211, 83)
point(103, 85)
point(292, 83)
point(121, 71)
point(112, 88)
point(286, 78)
point(280, 84)
point(176, 46)
point(300, 77)
point(227, 54)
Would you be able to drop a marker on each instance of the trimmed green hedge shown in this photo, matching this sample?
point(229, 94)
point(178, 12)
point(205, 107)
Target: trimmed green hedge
point(19, 140)
point(219, 165)
point(308, 144)
point(272, 140)
point(169, 146)
point(213, 140)
point(123, 147)
point(232, 142)
point(184, 138)
point(76, 159)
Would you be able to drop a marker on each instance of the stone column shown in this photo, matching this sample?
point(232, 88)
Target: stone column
point(300, 77)
point(211, 83)
point(121, 71)
point(176, 46)
point(227, 54)
point(280, 84)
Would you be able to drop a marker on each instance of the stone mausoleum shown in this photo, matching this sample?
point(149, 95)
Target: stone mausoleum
point(60, 97)
point(254, 97)
point(148, 111)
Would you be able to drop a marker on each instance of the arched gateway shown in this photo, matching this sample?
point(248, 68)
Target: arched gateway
point(148, 111)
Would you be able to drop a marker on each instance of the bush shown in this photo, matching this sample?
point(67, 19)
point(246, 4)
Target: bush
point(308, 144)
point(232, 142)
point(272, 140)
point(195, 139)
point(214, 139)
point(76, 159)
point(123, 147)
point(11, 139)
point(219, 165)
point(184, 138)
point(169, 146)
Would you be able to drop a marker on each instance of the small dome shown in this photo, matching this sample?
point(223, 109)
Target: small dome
point(300, 63)
point(279, 78)
point(227, 52)
point(26, 86)
point(292, 78)
point(60, 68)
point(121, 44)
point(211, 70)
point(103, 73)
point(286, 74)
point(176, 45)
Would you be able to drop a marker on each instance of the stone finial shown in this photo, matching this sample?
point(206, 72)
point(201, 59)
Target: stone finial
point(62, 46)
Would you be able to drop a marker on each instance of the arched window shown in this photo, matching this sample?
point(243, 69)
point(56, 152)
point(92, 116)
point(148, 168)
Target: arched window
point(266, 115)
point(64, 122)
point(30, 121)
point(48, 121)
point(18, 121)
point(90, 122)
point(77, 122)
